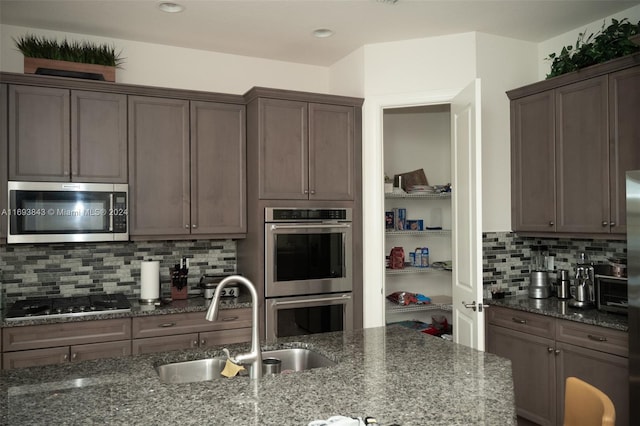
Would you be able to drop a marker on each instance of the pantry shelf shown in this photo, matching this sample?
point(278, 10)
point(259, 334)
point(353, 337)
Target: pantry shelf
point(436, 232)
point(414, 270)
point(430, 196)
point(438, 303)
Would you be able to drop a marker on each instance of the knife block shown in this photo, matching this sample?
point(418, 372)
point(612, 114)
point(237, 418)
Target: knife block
point(179, 288)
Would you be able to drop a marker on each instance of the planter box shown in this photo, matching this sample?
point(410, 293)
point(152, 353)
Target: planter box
point(69, 69)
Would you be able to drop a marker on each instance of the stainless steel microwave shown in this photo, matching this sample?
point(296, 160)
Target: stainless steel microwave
point(53, 212)
point(611, 294)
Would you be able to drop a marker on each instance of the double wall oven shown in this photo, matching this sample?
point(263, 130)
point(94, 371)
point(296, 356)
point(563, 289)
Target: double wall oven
point(308, 271)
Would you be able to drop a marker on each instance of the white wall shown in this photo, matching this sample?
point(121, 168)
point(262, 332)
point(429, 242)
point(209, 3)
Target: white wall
point(555, 45)
point(167, 66)
point(502, 64)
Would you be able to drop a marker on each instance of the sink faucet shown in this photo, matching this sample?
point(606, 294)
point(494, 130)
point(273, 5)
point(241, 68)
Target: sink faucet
point(254, 357)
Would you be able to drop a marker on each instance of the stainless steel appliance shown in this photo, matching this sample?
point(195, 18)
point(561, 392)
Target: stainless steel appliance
point(611, 294)
point(52, 212)
point(539, 287)
point(633, 291)
point(208, 284)
point(61, 307)
point(563, 284)
point(582, 291)
point(308, 275)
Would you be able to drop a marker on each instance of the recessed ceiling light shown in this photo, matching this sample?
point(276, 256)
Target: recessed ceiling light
point(322, 33)
point(170, 7)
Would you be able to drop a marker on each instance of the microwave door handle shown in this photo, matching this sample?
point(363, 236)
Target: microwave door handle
point(310, 226)
point(110, 212)
point(306, 301)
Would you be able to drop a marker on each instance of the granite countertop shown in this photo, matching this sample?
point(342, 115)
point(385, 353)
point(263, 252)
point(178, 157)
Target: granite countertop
point(559, 308)
point(192, 304)
point(395, 374)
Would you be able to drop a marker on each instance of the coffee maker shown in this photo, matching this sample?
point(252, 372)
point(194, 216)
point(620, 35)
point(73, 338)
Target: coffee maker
point(582, 291)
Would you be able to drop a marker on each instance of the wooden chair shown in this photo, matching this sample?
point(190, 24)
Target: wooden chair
point(586, 405)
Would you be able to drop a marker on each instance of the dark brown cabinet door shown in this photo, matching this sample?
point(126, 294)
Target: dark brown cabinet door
point(218, 168)
point(4, 161)
point(39, 136)
point(624, 140)
point(331, 152)
point(35, 357)
point(98, 137)
point(533, 366)
point(159, 176)
point(533, 185)
point(609, 373)
point(283, 157)
point(582, 157)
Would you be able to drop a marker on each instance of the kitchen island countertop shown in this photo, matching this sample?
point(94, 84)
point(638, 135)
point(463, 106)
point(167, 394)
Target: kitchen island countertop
point(395, 374)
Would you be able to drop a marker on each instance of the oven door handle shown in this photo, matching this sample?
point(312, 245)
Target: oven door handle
point(311, 226)
point(319, 299)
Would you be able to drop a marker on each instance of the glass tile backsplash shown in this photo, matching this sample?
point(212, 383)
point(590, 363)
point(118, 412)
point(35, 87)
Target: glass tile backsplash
point(74, 269)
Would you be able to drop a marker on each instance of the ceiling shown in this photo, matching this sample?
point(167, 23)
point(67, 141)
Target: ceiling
point(281, 30)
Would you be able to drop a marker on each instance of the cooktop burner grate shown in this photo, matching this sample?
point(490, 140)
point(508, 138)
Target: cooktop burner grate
point(61, 307)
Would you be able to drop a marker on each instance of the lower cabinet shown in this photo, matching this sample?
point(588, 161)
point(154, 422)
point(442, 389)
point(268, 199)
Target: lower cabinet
point(160, 333)
point(544, 351)
point(35, 345)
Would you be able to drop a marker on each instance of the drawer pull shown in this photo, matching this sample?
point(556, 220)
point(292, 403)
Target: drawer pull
point(519, 320)
point(167, 324)
point(229, 318)
point(203, 342)
point(597, 338)
point(550, 349)
point(74, 355)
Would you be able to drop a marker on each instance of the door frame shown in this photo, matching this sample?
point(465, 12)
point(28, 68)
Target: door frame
point(373, 192)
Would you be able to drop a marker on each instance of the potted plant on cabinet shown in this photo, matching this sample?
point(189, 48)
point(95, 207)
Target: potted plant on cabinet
point(68, 59)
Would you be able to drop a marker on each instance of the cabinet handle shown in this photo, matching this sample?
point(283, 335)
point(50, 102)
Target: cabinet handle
point(167, 324)
point(65, 357)
point(203, 342)
point(557, 352)
point(518, 320)
point(194, 226)
point(550, 349)
point(605, 223)
point(612, 224)
point(74, 355)
point(313, 192)
point(229, 318)
point(187, 226)
point(195, 344)
point(306, 191)
point(551, 223)
point(597, 338)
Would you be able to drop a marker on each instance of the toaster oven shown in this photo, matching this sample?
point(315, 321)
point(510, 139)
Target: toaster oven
point(611, 294)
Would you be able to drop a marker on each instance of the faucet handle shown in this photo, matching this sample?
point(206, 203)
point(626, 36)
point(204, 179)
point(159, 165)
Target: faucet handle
point(229, 357)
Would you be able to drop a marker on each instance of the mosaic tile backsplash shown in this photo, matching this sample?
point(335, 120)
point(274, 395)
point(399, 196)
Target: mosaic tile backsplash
point(69, 269)
point(507, 257)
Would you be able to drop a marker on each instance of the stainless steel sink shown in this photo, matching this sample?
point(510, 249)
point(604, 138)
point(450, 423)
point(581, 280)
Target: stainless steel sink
point(292, 360)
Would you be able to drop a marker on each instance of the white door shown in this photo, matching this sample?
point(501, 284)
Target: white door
point(468, 315)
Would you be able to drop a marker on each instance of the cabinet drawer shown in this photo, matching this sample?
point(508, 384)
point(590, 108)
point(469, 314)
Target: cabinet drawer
point(192, 322)
point(35, 357)
point(225, 337)
point(525, 322)
point(164, 344)
point(593, 337)
point(65, 334)
point(100, 350)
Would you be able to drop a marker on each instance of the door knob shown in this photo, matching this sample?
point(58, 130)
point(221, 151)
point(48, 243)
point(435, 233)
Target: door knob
point(471, 305)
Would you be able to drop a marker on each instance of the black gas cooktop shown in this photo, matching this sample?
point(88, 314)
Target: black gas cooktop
point(60, 307)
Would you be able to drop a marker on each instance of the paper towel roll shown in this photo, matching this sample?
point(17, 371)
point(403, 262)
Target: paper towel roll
point(150, 281)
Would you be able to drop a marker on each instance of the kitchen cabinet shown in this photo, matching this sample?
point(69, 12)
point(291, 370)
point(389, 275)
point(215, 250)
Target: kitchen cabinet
point(544, 351)
point(4, 164)
point(572, 141)
point(159, 333)
point(302, 150)
point(33, 345)
point(66, 135)
point(187, 168)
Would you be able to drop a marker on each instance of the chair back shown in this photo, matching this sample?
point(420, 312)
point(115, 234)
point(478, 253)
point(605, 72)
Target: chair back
point(586, 405)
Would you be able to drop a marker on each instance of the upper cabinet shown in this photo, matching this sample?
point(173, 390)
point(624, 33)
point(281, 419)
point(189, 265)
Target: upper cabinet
point(67, 135)
point(301, 147)
point(187, 163)
point(3, 162)
point(572, 140)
